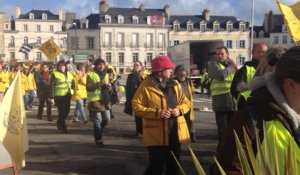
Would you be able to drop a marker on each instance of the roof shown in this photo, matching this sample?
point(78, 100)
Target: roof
point(93, 19)
point(38, 15)
point(128, 13)
point(197, 19)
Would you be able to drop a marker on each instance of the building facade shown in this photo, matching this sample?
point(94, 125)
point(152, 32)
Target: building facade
point(233, 32)
point(2, 19)
point(33, 28)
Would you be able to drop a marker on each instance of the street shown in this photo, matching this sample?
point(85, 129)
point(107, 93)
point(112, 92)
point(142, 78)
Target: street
point(124, 154)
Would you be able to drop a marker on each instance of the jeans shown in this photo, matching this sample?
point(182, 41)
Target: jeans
point(100, 120)
point(79, 110)
point(29, 97)
point(160, 157)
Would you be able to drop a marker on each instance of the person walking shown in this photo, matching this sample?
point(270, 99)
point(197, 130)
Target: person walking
point(3, 81)
point(188, 89)
point(221, 70)
point(30, 87)
point(62, 83)
point(97, 84)
point(134, 79)
point(275, 104)
point(161, 103)
point(43, 78)
point(80, 93)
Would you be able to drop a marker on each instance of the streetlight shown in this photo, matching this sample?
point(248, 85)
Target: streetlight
point(75, 25)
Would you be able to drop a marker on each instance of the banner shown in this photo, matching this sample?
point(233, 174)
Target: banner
point(50, 49)
point(13, 125)
point(156, 20)
point(291, 15)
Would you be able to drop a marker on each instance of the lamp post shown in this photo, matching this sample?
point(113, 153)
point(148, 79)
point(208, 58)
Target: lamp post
point(76, 41)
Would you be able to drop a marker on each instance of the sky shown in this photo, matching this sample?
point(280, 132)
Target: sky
point(239, 8)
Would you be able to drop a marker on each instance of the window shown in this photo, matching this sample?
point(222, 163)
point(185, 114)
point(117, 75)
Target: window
point(26, 56)
point(216, 27)
point(120, 19)
point(229, 44)
point(242, 44)
point(31, 16)
point(284, 29)
point(107, 40)
point(135, 20)
point(176, 27)
point(229, 27)
point(6, 26)
point(161, 40)
point(202, 27)
point(149, 42)
point(12, 55)
point(38, 28)
point(74, 42)
point(284, 39)
point(39, 56)
point(90, 42)
point(161, 54)
point(120, 41)
point(108, 57)
point(39, 40)
point(276, 40)
point(44, 16)
point(240, 60)
point(149, 57)
point(12, 42)
point(25, 40)
point(135, 40)
point(242, 27)
point(107, 19)
point(121, 58)
point(51, 28)
point(121, 70)
point(190, 27)
point(25, 28)
point(135, 57)
point(83, 25)
point(176, 42)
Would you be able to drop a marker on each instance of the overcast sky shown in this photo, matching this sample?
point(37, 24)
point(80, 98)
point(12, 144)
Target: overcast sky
point(238, 8)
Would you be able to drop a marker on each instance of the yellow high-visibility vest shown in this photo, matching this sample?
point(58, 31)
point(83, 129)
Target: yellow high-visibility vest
point(63, 83)
point(96, 94)
point(250, 74)
point(219, 87)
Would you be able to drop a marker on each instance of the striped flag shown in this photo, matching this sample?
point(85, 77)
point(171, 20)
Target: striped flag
point(26, 48)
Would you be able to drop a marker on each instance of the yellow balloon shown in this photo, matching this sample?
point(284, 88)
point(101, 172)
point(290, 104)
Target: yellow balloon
point(121, 89)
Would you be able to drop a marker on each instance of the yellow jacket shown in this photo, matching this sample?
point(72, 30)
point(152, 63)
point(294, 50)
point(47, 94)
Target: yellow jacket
point(23, 83)
point(148, 103)
point(80, 87)
point(12, 76)
point(3, 82)
point(30, 84)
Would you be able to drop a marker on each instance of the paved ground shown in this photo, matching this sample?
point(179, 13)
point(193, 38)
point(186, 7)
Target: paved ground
point(75, 153)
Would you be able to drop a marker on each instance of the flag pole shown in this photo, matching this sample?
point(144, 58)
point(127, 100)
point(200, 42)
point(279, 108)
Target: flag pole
point(252, 28)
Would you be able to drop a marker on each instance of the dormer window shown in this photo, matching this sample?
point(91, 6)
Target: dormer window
point(189, 26)
point(202, 27)
point(107, 19)
point(242, 27)
point(44, 16)
point(135, 20)
point(31, 16)
point(216, 27)
point(121, 19)
point(176, 26)
point(229, 26)
point(84, 23)
point(261, 34)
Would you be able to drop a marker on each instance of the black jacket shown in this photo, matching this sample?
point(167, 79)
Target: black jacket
point(132, 84)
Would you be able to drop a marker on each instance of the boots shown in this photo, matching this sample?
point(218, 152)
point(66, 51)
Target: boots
point(193, 137)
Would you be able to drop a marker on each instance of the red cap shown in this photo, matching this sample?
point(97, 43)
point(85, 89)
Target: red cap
point(161, 63)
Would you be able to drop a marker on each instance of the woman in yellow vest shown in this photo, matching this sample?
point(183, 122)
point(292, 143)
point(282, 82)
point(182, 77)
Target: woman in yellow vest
point(98, 102)
point(80, 93)
point(161, 103)
point(62, 83)
point(3, 81)
point(276, 102)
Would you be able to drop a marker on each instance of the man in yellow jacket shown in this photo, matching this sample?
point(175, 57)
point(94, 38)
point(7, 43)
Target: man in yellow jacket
point(3, 81)
point(80, 93)
point(161, 103)
point(30, 86)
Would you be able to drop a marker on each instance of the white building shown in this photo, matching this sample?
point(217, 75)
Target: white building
point(2, 19)
point(34, 28)
point(121, 35)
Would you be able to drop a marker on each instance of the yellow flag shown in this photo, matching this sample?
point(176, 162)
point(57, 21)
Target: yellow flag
point(13, 125)
point(291, 16)
point(50, 49)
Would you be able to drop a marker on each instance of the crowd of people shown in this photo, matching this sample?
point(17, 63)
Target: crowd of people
point(266, 89)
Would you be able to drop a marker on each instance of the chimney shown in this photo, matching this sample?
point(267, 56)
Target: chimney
point(103, 6)
point(266, 23)
point(61, 14)
point(206, 14)
point(142, 7)
point(271, 21)
point(167, 10)
point(18, 12)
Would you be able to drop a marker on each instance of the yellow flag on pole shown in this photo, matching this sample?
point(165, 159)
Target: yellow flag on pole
point(291, 15)
point(50, 49)
point(13, 125)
